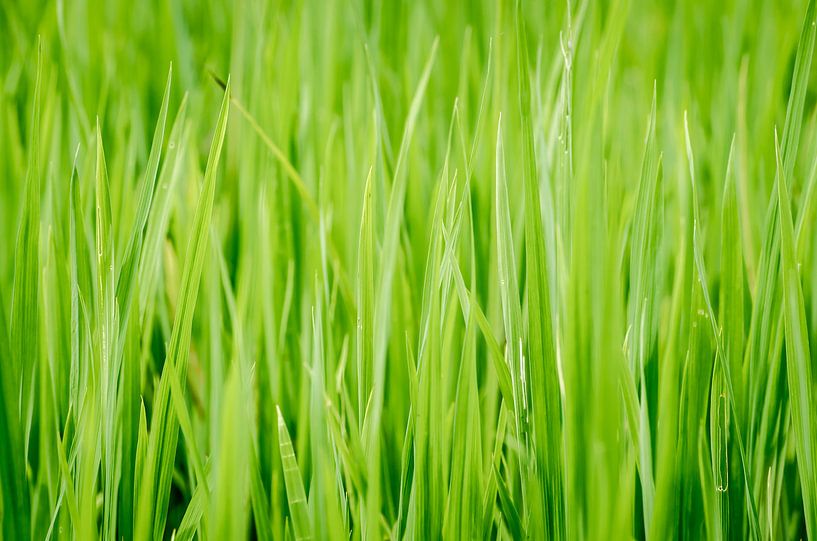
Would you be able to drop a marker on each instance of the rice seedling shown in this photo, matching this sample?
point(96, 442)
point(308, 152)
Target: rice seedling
point(380, 269)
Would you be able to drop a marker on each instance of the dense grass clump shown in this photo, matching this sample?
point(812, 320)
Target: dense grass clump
point(408, 269)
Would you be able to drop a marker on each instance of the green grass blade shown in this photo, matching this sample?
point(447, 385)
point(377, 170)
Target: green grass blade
point(152, 513)
point(544, 390)
point(509, 289)
point(296, 497)
point(798, 356)
point(25, 301)
point(105, 336)
point(721, 359)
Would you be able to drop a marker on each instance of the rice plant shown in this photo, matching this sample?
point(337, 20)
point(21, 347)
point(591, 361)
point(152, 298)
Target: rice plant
point(408, 269)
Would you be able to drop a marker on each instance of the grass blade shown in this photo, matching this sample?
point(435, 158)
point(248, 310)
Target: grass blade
point(296, 497)
point(152, 513)
point(798, 356)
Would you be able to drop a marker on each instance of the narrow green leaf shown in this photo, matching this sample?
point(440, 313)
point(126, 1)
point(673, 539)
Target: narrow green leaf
point(798, 356)
point(155, 492)
point(543, 390)
point(296, 497)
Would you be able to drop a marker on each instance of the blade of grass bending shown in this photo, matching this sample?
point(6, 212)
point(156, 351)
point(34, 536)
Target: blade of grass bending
point(165, 430)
